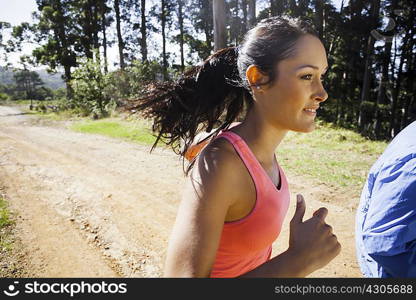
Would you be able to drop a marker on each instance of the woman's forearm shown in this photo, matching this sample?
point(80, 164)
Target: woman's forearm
point(286, 264)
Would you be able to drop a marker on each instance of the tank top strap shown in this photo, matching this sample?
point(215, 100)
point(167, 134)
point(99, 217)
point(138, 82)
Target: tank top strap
point(247, 156)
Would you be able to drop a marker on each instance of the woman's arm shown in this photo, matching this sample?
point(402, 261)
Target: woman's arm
point(197, 231)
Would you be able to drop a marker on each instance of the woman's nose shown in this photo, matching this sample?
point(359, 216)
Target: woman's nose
point(321, 95)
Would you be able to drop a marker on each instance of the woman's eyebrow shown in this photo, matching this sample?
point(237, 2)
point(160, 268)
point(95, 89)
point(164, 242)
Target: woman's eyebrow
point(310, 66)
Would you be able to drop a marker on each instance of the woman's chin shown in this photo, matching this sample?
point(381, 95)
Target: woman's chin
point(306, 128)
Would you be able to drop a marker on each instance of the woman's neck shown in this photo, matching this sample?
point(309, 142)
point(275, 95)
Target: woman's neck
point(262, 137)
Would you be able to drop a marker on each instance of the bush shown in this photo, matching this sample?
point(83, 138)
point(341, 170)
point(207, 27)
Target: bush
point(59, 94)
point(88, 84)
point(3, 96)
point(127, 83)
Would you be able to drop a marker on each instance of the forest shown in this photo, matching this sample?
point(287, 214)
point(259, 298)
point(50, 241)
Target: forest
point(370, 47)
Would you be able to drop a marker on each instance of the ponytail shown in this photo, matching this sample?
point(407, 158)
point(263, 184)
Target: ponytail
point(205, 97)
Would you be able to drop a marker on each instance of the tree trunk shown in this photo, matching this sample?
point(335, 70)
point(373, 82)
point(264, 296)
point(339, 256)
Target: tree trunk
point(119, 37)
point(335, 37)
point(251, 13)
point(103, 30)
point(293, 8)
point(68, 78)
point(393, 129)
point(67, 60)
point(410, 58)
point(245, 15)
point(181, 33)
point(220, 39)
point(236, 25)
point(143, 45)
point(165, 62)
point(88, 38)
point(370, 48)
point(273, 8)
point(206, 6)
point(96, 28)
point(383, 85)
point(319, 16)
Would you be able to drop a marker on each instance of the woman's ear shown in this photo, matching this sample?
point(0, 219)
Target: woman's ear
point(255, 77)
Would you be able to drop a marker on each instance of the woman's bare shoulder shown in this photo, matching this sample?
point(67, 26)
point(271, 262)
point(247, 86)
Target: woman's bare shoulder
point(219, 162)
point(221, 151)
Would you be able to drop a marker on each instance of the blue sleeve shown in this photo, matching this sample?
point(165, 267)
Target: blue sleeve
point(390, 226)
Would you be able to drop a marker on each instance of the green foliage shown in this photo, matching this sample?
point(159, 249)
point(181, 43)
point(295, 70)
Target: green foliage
point(56, 26)
point(59, 94)
point(3, 25)
point(98, 94)
point(129, 82)
point(27, 82)
point(88, 84)
point(28, 85)
point(3, 96)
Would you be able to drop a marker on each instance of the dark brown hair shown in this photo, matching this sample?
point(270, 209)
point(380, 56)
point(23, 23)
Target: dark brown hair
point(213, 94)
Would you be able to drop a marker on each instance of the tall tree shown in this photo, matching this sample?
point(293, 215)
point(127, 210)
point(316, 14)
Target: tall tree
point(220, 38)
point(251, 13)
point(394, 121)
point(409, 74)
point(384, 81)
point(163, 22)
point(119, 35)
point(3, 26)
point(105, 22)
point(27, 81)
point(244, 7)
point(55, 30)
point(319, 16)
point(375, 12)
point(201, 16)
point(89, 25)
point(181, 32)
point(143, 31)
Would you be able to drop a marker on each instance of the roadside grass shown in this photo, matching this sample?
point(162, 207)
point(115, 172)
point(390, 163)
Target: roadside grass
point(62, 115)
point(138, 131)
point(334, 156)
point(54, 116)
point(5, 224)
point(18, 102)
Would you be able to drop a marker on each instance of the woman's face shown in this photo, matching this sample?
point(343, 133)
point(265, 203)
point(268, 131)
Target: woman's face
point(291, 102)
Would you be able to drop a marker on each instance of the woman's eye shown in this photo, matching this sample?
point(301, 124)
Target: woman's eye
point(309, 77)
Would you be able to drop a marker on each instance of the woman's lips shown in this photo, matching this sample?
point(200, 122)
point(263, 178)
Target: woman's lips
point(310, 111)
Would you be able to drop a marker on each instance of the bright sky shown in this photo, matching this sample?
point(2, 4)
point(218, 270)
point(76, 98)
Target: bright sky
point(18, 11)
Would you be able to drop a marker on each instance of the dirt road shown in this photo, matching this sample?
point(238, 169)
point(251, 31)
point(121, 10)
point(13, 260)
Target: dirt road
point(92, 206)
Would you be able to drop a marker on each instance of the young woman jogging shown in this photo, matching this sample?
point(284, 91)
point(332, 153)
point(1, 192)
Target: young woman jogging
point(236, 195)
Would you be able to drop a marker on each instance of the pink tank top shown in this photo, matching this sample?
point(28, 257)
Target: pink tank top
point(247, 243)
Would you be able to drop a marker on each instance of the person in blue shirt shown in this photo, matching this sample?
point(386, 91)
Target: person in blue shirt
point(385, 227)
